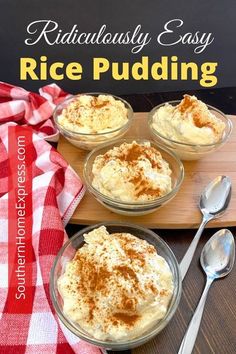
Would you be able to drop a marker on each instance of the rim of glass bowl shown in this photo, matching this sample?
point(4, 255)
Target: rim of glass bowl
point(159, 325)
point(175, 102)
point(143, 203)
point(126, 125)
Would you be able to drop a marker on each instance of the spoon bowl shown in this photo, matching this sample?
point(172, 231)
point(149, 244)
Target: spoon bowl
point(213, 203)
point(217, 260)
point(218, 254)
point(216, 197)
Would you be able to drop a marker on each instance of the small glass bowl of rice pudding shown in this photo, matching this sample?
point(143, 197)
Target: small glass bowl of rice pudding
point(133, 177)
point(90, 119)
point(190, 128)
point(115, 285)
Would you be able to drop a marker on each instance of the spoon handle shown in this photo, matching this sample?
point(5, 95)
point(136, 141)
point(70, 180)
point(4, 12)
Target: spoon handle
point(193, 328)
point(187, 258)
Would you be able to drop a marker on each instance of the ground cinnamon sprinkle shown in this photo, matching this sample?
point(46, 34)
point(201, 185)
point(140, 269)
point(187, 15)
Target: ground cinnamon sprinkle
point(200, 119)
point(142, 187)
point(98, 278)
point(154, 290)
point(92, 277)
point(127, 303)
point(163, 292)
point(132, 254)
point(200, 122)
point(127, 272)
point(105, 288)
point(137, 169)
point(96, 105)
point(126, 318)
point(149, 191)
point(186, 104)
point(92, 306)
point(151, 249)
point(136, 180)
point(132, 154)
point(136, 152)
point(93, 114)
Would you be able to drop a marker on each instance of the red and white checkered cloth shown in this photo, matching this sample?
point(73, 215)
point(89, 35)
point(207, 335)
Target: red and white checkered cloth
point(29, 108)
point(57, 190)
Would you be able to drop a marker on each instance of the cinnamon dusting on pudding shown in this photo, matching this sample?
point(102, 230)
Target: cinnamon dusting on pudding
point(191, 121)
point(126, 318)
point(89, 114)
point(109, 292)
point(199, 112)
point(187, 103)
point(96, 104)
point(132, 172)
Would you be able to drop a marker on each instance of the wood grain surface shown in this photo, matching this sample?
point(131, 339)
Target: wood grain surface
point(182, 211)
point(217, 333)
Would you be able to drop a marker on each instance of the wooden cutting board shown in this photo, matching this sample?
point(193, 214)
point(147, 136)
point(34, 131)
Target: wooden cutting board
point(182, 211)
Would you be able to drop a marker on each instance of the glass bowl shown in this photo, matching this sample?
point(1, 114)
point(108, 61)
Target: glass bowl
point(135, 208)
point(187, 151)
point(67, 253)
point(90, 141)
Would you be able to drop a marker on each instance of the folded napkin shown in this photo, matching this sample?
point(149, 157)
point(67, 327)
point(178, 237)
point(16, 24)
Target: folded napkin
point(56, 191)
point(29, 108)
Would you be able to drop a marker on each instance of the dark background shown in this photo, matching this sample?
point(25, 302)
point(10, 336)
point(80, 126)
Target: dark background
point(213, 16)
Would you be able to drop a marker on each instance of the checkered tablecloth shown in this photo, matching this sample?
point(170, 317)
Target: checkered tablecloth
point(56, 192)
point(31, 109)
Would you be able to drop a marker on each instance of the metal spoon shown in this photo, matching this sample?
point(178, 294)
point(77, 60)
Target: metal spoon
point(213, 203)
point(217, 259)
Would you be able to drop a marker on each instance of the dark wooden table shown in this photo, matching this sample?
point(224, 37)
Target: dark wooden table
point(218, 328)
